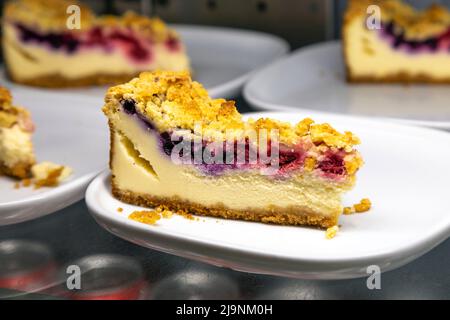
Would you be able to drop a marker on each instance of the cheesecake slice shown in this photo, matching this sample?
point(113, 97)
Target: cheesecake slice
point(16, 128)
point(172, 145)
point(41, 50)
point(406, 46)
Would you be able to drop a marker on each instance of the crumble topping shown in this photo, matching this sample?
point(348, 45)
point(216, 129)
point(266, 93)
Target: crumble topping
point(53, 17)
point(153, 28)
point(52, 13)
point(172, 100)
point(331, 232)
point(363, 206)
point(416, 24)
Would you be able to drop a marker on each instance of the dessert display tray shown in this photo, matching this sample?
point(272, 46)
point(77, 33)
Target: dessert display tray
point(313, 78)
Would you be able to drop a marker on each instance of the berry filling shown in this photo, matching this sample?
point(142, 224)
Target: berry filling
point(64, 41)
point(135, 48)
point(332, 164)
point(397, 38)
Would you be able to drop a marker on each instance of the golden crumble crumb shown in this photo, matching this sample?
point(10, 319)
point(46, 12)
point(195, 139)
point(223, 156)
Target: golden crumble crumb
point(26, 182)
point(331, 232)
point(48, 174)
point(310, 164)
point(185, 215)
point(119, 209)
point(145, 216)
point(349, 210)
point(51, 180)
point(17, 185)
point(167, 214)
point(363, 206)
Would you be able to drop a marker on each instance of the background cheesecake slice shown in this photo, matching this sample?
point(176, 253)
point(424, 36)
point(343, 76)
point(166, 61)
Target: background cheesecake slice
point(40, 49)
point(151, 115)
point(410, 46)
point(16, 128)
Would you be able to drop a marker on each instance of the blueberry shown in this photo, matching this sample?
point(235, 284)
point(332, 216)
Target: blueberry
point(167, 143)
point(129, 106)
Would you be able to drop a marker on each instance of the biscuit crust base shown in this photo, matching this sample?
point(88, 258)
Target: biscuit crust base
point(274, 215)
point(401, 77)
point(59, 81)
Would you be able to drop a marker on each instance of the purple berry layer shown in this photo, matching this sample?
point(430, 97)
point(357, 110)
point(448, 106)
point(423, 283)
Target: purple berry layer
point(397, 39)
point(138, 50)
point(332, 165)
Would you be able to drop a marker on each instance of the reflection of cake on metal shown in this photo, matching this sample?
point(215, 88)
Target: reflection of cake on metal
point(408, 46)
point(314, 166)
point(40, 50)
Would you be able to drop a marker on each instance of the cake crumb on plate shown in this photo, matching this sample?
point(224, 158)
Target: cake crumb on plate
point(363, 206)
point(145, 216)
point(331, 232)
point(48, 174)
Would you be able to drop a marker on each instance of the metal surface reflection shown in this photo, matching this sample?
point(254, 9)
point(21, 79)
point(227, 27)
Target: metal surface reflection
point(103, 277)
point(26, 266)
point(212, 284)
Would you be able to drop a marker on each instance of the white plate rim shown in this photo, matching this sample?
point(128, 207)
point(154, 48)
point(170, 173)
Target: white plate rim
point(269, 106)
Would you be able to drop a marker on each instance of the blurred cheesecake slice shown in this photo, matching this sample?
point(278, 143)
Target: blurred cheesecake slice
point(41, 50)
point(16, 128)
point(408, 46)
point(311, 165)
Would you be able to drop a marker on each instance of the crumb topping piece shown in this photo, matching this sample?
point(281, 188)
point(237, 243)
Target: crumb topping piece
point(161, 211)
point(145, 216)
point(331, 232)
point(363, 206)
point(48, 174)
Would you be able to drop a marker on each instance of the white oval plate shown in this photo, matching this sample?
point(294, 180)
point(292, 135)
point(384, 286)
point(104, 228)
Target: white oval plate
point(69, 132)
point(313, 78)
point(406, 176)
point(222, 59)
